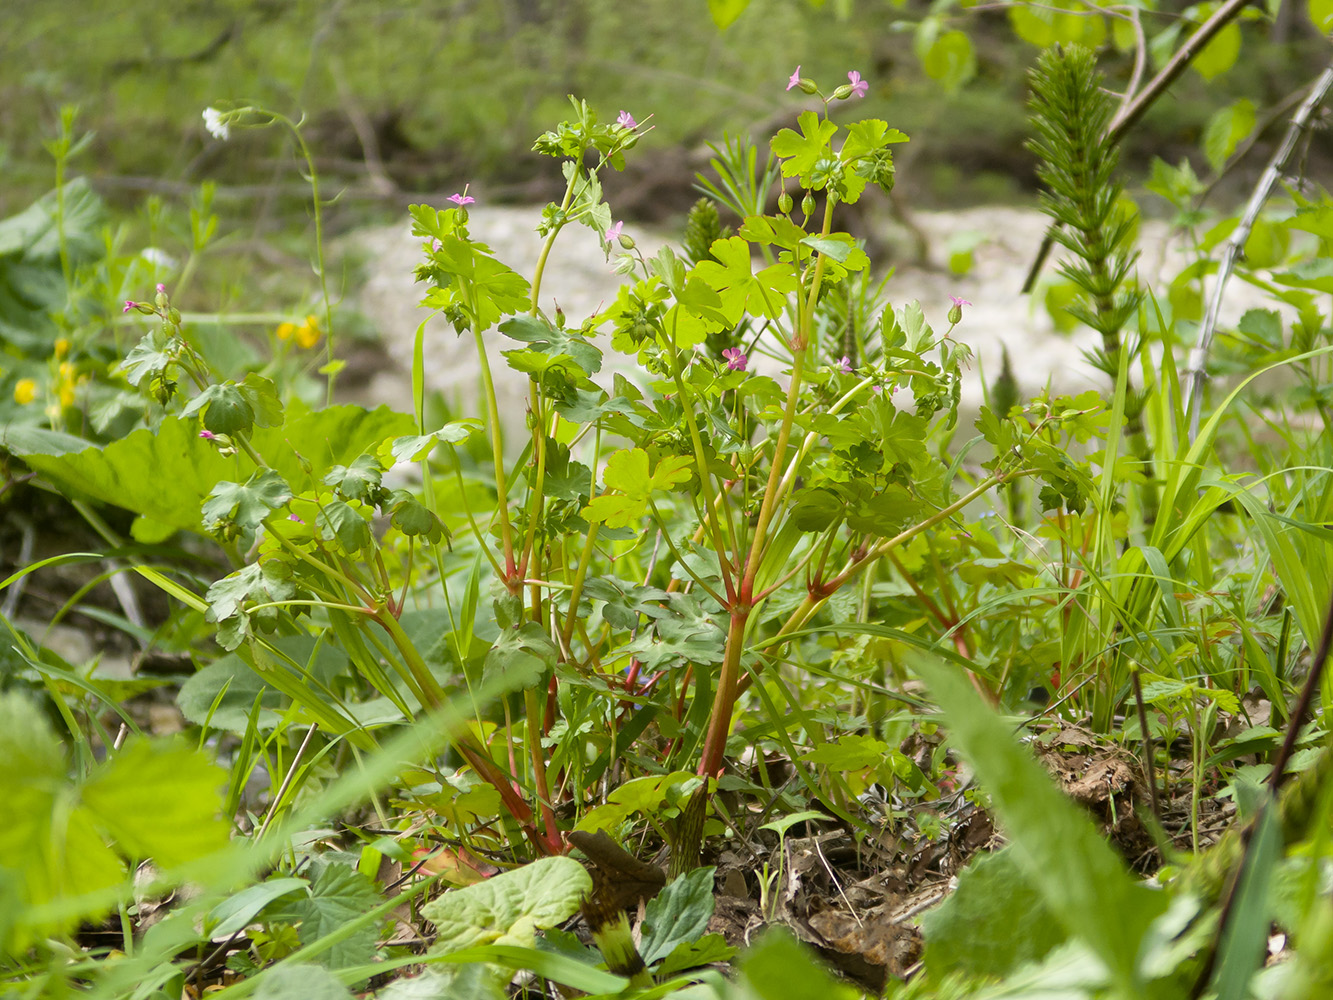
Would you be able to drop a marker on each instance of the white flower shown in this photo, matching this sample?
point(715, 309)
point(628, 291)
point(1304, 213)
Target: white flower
point(216, 123)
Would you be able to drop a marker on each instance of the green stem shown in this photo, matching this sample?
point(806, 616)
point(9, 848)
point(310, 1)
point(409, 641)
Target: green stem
point(538, 759)
point(728, 679)
point(428, 692)
point(576, 590)
point(801, 344)
point(319, 248)
point(498, 457)
point(705, 476)
point(550, 241)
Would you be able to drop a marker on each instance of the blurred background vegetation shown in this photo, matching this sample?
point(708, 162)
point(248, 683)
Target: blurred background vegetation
point(409, 100)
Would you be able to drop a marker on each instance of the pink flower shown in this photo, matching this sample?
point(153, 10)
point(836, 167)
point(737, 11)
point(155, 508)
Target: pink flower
point(859, 86)
point(462, 199)
point(613, 233)
point(436, 246)
point(845, 363)
point(735, 359)
point(795, 79)
point(293, 517)
point(130, 306)
point(207, 435)
point(956, 310)
point(161, 287)
point(626, 120)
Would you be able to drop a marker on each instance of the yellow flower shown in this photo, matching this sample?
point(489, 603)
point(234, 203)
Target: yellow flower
point(285, 331)
point(62, 347)
point(25, 391)
point(307, 335)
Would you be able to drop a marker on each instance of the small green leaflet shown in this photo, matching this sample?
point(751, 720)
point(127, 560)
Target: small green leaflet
point(553, 342)
point(357, 481)
point(258, 583)
point(627, 475)
point(418, 446)
point(231, 407)
point(850, 753)
point(761, 294)
point(842, 248)
point(802, 152)
point(245, 504)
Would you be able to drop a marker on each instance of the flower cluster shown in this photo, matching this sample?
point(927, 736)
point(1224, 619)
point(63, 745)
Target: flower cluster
point(856, 88)
point(306, 335)
point(217, 123)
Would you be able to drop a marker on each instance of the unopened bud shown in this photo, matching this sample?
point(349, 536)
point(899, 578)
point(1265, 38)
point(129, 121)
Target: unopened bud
point(955, 315)
point(808, 86)
point(626, 241)
point(808, 204)
point(784, 203)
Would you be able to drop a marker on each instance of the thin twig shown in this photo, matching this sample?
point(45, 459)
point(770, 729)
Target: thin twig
point(1198, 357)
point(286, 781)
point(1149, 752)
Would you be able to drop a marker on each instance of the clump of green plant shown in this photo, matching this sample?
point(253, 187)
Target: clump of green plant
point(580, 633)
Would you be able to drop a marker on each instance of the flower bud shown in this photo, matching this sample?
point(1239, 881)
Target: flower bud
point(808, 86)
point(784, 203)
point(955, 314)
point(627, 241)
point(746, 455)
point(842, 93)
point(808, 204)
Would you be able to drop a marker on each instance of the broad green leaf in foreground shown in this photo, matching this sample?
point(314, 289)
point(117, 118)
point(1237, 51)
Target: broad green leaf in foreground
point(300, 981)
point(160, 800)
point(776, 967)
point(972, 931)
point(510, 907)
point(1078, 876)
point(337, 897)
